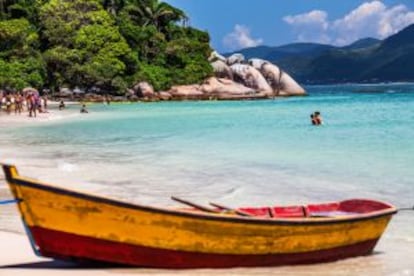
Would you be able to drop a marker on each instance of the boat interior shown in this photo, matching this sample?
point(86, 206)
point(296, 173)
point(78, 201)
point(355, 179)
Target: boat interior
point(352, 207)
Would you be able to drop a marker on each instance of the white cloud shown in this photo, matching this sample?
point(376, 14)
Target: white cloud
point(240, 38)
point(395, 19)
point(311, 26)
point(370, 19)
point(359, 23)
point(315, 17)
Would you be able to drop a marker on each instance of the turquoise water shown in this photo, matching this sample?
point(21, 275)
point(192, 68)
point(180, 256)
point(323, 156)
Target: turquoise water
point(241, 152)
point(262, 149)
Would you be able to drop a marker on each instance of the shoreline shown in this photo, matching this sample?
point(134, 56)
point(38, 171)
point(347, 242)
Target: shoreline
point(52, 114)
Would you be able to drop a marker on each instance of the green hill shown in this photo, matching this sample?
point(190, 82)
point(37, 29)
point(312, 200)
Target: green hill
point(362, 43)
point(107, 45)
point(388, 61)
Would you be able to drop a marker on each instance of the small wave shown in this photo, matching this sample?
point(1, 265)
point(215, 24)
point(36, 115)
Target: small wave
point(391, 91)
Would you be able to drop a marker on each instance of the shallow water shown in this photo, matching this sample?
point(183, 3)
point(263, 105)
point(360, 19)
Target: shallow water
point(240, 153)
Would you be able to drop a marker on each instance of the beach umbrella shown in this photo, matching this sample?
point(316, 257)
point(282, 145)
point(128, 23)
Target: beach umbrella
point(30, 90)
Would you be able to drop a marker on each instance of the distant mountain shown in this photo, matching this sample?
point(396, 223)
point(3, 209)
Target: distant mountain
point(275, 54)
point(365, 60)
point(363, 43)
point(258, 51)
point(390, 60)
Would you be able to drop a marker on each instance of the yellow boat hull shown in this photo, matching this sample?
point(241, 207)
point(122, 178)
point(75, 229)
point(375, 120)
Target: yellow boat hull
point(70, 225)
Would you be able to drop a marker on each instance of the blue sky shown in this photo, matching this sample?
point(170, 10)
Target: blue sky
point(235, 24)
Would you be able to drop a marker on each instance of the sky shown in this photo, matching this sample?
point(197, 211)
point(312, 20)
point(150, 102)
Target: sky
point(236, 24)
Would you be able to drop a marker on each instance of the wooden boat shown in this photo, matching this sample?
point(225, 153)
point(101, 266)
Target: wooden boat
point(68, 225)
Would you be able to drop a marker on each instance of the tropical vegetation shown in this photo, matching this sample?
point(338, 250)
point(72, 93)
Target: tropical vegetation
point(105, 45)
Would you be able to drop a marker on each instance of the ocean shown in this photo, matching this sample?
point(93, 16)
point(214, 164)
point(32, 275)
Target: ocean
point(247, 153)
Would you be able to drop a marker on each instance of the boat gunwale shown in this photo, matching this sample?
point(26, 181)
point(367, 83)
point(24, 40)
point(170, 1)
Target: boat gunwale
point(33, 183)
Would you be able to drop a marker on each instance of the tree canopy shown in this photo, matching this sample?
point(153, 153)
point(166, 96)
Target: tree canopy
point(105, 44)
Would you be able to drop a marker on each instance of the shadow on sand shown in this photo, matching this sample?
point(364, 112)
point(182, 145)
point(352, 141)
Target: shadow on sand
point(56, 264)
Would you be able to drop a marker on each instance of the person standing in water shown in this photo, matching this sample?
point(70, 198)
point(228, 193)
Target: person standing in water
point(61, 105)
point(313, 121)
point(316, 118)
point(83, 109)
point(31, 100)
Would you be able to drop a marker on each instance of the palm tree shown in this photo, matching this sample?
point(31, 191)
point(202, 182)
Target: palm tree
point(152, 12)
point(162, 14)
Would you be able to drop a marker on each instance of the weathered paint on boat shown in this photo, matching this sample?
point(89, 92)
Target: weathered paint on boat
point(65, 224)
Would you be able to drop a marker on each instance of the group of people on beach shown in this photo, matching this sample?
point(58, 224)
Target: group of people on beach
point(31, 101)
point(316, 118)
point(17, 102)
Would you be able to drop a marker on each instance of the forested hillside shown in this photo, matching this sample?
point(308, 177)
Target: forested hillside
point(104, 45)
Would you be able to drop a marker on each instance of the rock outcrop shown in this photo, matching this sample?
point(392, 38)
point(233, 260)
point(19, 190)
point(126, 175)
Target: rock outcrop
point(144, 89)
point(225, 89)
point(212, 89)
point(235, 78)
point(186, 92)
point(261, 75)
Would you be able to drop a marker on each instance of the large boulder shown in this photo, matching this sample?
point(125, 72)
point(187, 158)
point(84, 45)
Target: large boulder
point(235, 58)
point(144, 89)
point(289, 87)
point(251, 77)
point(221, 69)
point(281, 82)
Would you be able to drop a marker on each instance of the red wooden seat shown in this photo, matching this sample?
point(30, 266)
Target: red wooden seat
point(288, 212)
point(257, 212)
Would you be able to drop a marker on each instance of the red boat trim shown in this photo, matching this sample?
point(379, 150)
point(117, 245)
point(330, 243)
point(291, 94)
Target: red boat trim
point(272, 221)
point(66, 246)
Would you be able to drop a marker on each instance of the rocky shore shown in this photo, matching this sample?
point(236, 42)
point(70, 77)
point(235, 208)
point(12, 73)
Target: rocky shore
point(234, 79)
